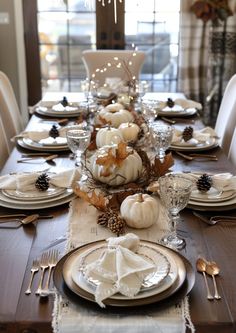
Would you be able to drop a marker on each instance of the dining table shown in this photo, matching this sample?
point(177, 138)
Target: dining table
point(20, 246)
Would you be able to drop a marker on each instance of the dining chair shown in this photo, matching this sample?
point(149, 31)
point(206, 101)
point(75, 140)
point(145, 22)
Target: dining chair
point(123, 64)
point(226, 119)
point(9, 111)
point(232, 149)
point(4, 149)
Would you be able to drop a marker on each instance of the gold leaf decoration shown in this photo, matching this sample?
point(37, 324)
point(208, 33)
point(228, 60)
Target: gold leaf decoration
point(160, 168)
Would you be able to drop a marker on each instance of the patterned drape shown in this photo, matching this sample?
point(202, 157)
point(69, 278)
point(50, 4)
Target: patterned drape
point(207, 59)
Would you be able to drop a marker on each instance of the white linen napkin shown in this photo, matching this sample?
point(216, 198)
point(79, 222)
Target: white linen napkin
point(179, 105)
point(198, 136)
point(26, 181)
point(43, 134)
point(119, 269)
point(221, 181)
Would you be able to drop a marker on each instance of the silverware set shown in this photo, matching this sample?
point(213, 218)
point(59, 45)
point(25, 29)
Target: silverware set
point(212, 220)
point(39, 158)
point(191, 157)
point(47, 261)
point(211, 269)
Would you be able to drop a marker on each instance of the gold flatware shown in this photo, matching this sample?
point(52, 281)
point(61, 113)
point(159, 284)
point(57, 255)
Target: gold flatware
point(201, 267)
point(170, 121)
point(190, 157)
point(45, 158)
point(16, 223)
point(36, 154)
point(34, 269)
point(24, 215)
point(212, 269)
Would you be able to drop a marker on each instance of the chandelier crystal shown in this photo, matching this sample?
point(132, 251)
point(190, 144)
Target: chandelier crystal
point(89, 4)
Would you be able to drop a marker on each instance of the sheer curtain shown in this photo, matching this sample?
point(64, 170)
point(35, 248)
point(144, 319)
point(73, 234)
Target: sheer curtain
point(207, 59)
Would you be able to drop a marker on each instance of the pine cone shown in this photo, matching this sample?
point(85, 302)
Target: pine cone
point(42, 182)
point(170, 103)
point(116, 224)
point(64, 102)
point(204, 183)
point(187, 133)
point(54, 133)
point(104, 217)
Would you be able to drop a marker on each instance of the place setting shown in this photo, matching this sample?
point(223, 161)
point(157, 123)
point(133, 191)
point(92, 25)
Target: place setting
point(213, 192)
point(63, 108)
point(123, 272)
point(191, 140)
point(37, 190)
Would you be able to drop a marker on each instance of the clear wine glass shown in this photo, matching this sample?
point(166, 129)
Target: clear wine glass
point(174, 190)
point(149, 110)
point(78, 139)
point(161, 137)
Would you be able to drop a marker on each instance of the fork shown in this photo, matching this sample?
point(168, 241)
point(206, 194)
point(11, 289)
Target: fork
point(43, 266)
point(34, 269)
point(52, 261)
point(196, 156)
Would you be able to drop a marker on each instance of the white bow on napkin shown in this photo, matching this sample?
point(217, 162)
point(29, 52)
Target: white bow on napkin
point(221, 181)
point(26, 181)
point(119, 269)
point(198, 136)
point(43, 134)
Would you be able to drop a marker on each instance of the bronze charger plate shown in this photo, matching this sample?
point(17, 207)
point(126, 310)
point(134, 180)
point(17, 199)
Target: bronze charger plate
point(172, 295)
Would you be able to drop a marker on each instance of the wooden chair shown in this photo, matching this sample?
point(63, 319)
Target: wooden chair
point(125, 64)
point(9, 111)
point(226, 119)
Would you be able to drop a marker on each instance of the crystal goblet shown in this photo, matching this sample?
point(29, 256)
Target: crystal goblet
point(78, 140)
point(149, 110)
point(161, 136)
point(174, 190)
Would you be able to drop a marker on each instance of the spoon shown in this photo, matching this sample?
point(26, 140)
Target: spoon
point(212, 269)
point(201, 265)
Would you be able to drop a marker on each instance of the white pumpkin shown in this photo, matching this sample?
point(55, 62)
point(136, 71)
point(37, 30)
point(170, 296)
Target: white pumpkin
point(115, 114)
point(128, 171)
point(140, 210)
point(129, 131)
point(107, 136)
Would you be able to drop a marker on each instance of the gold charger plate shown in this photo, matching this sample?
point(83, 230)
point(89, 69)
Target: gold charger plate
point(177, 291)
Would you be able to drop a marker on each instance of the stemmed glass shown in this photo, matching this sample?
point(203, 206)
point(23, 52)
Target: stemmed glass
point(161, 136)
point(149, 110)
point(78, 139)
point(174, 190)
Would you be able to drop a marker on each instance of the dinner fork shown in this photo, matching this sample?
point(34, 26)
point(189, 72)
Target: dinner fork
point(52, 261)
point(43, 266)
point(34, 269)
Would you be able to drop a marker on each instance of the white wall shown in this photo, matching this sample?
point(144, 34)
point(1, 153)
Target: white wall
point(12, 52)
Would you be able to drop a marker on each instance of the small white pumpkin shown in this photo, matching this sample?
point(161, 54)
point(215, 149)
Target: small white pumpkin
point(140, 210)
point(115, 114)
point(107, 136)
point(128, 171)
point(129, 131)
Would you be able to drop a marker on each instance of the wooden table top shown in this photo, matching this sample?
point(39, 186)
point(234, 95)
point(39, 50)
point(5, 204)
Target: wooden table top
point(18, 247)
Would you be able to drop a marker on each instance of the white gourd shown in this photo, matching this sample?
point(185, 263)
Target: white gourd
point(140, 210)
point(129, 131)
point(108, 135)
point(115, 114)
point(129, 170)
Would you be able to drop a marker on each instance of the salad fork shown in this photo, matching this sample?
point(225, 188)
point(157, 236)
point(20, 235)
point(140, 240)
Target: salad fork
point(34, 269)
point(43, 266)
point(52, 261)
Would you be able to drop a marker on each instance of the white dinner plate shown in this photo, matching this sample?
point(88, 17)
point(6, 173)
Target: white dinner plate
point(51, 109)
point(24, 143)
point(177, 272)
point(216, 204)
point(40, 205)
point(209, 144)
point(64, 194)
point(177, 112)
point(51, 192)
point(213, 195)
point(151, 255)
